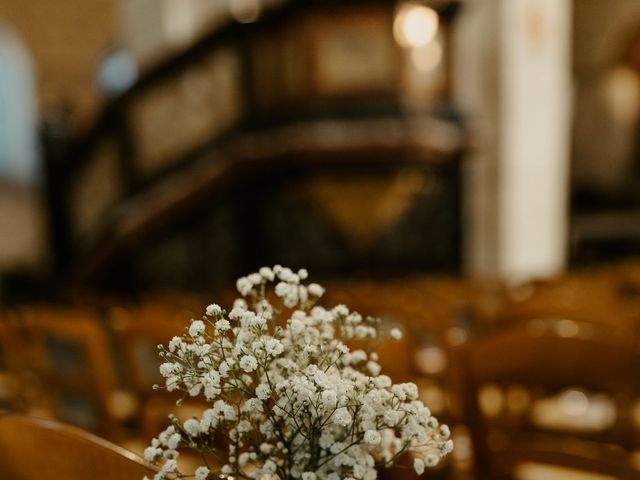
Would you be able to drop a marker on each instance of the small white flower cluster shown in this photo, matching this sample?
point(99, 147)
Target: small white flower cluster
point(288, 394)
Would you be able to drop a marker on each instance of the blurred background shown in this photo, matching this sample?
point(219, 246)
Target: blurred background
point(462, 168)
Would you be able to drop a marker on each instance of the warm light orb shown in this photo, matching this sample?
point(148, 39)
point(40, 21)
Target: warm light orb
point(427, 57)
point(574, 403)
point(415, 25)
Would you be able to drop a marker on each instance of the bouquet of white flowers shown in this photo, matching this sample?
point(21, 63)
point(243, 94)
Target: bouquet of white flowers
point(288, 394)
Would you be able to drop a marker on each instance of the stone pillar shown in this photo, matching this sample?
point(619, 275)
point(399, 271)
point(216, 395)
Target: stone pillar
point(515, 87)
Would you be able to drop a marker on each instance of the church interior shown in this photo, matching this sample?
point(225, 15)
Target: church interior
point(439, 164)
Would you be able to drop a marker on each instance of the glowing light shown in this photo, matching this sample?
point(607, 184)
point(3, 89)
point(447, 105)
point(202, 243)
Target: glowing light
point(415, 25)
point(427, 57)
point(574, 403)
point(245, 11)
point(491, 400)
point(621, 93)
point(430, 360)
point(567, 328)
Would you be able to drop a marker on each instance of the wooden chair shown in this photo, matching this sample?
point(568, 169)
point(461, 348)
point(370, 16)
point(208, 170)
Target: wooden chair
point(16, 378)
point(73, 356)
point(603, 297)
point(538, 362)
point(138, 332)
point(36, 449)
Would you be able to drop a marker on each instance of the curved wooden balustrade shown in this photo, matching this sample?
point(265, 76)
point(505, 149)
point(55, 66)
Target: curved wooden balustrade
point(224, 113)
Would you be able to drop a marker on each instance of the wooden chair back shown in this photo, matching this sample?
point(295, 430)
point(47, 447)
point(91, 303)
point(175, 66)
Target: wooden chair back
point(36, 449)
point(74, 357)
point(138, 332)
point(543, 360)
point(17, 379)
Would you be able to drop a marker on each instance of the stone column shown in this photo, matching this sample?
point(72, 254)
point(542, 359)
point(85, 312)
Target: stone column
point(515, 86)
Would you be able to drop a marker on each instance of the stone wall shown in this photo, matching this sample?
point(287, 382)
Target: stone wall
point(66, 39)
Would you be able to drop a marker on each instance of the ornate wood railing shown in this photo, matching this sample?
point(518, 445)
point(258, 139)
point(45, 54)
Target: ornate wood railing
point(312, 86)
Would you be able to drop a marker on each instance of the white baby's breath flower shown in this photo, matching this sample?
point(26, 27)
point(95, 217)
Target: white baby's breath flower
point(172, 383)
point(267, 273)
point(170, 466)
point(372, 437)
point(224, 368)
point(202, 473)
point(273, 347)
point(411, 390)
point(175, 344)
point(418, 466)
point(263, 392)
point(167, 369)
point(342, 417)
point(196, 328)
point(296, 326)
point(309, 349)
point(373, 368)
point(329, 398)
point(222, 325)
point(257, 321)
point(240, 303)
point(391, 417)
point(271, 380)
point(266, 448)
point(282, 289)
point(244, 285)
point(269, 467)
point(447, 447)
point(243, 426)
point(315, 290)
point(252, 406)
point(192, 427)
point(287, 275)
point(150, 453)
point(383, 381)
point(432, 459)
point(174, 441)
point(244, 458)
point(224, 409)
point(248, 363)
